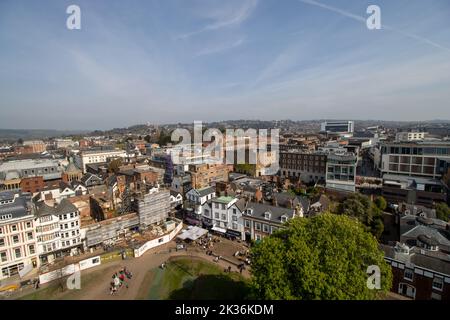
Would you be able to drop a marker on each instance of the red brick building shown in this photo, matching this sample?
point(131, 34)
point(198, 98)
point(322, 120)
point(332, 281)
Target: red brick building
point(32, 184)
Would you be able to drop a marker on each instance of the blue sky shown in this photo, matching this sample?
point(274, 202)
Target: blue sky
point(183, 60)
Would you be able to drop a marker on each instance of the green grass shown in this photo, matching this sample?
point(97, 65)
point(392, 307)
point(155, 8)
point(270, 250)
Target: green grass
point(186, 278)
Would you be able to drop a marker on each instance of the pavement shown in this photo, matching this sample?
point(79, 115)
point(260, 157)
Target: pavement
point(99, 288)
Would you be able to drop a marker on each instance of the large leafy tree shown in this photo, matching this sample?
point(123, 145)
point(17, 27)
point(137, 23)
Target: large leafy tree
point(325, 257)
point(366, 211)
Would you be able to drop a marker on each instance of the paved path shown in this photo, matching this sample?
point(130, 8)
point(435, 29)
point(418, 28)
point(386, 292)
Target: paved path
point(98, 288)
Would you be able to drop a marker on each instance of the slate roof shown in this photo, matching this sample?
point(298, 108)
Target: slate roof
point(240, 204)
point(429, 232)
point(205, 191)
point(276, 212)
point(433, 260)
point(65, 206)
point(19, 208)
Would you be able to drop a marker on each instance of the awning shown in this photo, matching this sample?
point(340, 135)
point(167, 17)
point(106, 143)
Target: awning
point(234, 233)
point(218, 229)
point(192, 233)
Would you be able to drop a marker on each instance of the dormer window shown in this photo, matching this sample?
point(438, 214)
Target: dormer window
point(267, 215)
point(249, 212)
point(284, 219)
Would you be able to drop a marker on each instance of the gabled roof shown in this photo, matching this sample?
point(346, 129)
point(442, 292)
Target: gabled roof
point(89, 176)
point(204, 191)
point(432, 233)
point(240, 204)
point(65, 206)
point(174, 193)
point(72, 168)
point(259, 209)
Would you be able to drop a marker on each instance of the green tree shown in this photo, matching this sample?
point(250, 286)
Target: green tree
point(442, 211)
point(114, 165)
point(367, 212)
point(381, 203)
point(325, 257)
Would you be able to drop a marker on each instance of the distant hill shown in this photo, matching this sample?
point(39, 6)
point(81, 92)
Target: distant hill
point(25, 134)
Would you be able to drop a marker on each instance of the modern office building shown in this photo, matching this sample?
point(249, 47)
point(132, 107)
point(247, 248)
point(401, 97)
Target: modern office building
point(342, 126)
point(341, 171)
point(410, 136)
point(413, 190)
point(421, 158)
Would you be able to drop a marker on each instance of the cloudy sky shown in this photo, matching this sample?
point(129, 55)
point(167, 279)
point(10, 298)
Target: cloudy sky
point(182, 60)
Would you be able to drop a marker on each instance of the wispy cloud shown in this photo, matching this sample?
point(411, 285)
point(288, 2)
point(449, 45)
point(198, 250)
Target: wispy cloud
point(221, 48)
point(237, 17)
point(384, 26)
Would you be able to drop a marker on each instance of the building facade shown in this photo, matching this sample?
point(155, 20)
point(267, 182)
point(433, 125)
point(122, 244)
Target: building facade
point(341, 172)
point(420, 159)
point(306, 166)
point(97, 156)
point(18, 247)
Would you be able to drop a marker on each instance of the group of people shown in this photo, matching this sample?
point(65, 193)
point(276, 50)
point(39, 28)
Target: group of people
point(118, 279)
point(207, 242)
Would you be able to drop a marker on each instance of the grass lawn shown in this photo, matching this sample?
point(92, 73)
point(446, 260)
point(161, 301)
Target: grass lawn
point(192, 278)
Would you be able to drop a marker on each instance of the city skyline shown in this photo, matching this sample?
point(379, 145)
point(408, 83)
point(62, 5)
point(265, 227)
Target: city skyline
point(161, 62)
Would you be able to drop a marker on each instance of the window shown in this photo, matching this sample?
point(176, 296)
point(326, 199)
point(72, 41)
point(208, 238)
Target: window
point(223, 206)
point(234, 211)
point(234, 218)
point(265, 228)
point(234, 226)
point(17, 253)
point(438, 283)
point(2, 242)
point(31, 248)
point(1, 230)
point(28, 224)
point(224, 216)
point(258, 226)
point(409, 274)
point(258, 237)
point(15, 239)
point(216, 205)
point(30, 235)
point(14, 228)
point(247, 223)
point(3, 257)
point(216, 215)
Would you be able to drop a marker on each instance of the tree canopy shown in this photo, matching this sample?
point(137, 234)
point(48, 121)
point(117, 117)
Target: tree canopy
point(362, 208)
point(325, 257)
point(442, 211)
point(114, 165)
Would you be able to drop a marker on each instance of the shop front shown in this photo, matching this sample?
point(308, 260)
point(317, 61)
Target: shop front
point(233, 234)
